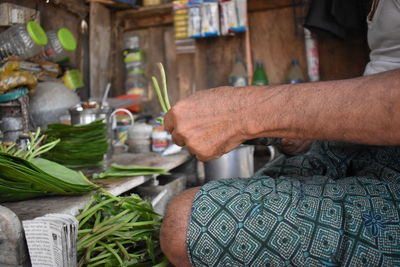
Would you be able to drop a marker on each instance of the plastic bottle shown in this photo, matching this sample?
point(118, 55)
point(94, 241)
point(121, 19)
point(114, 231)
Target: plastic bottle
point(260, 76)
point(60, 43)
point(238, 76)
point(133, 55)
point(23, 40)
point(136, 83)
point(295, 74)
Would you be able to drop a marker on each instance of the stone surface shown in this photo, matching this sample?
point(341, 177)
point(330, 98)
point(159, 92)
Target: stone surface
point(13, 250)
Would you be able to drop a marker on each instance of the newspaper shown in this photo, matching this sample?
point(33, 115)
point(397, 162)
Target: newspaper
point(52, 240)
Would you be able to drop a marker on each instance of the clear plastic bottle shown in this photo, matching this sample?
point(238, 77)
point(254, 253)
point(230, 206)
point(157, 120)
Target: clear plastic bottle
point(60, 43)
point(295, 74)
point(136, 83)
point(238, 76)
point(23, 40)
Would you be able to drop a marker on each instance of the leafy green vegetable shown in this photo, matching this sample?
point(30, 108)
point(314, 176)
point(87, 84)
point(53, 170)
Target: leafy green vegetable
point(81, 146)
point(128, 171)
point(24, 176)
point(119, 231)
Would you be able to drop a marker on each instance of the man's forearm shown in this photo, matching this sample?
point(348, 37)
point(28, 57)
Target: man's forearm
point(362, 110)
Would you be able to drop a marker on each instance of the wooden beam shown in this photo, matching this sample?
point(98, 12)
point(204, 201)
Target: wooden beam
point(77, 7)
point(112, 4)
point(259, 5)
point(146, 11)
point(134, 23)
point(100, 48)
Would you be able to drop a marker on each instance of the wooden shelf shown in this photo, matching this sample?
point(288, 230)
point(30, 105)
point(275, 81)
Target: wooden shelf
point(112, 4)
point(146, 11)
point(30, 209)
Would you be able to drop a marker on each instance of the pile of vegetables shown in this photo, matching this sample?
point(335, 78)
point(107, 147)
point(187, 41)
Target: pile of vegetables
point(23, 175)
point(128, 171)
point(119, 231)
point(80, 146)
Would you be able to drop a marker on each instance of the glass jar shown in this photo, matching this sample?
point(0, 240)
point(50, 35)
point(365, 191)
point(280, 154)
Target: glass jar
point(23, 40)
point(60, 43)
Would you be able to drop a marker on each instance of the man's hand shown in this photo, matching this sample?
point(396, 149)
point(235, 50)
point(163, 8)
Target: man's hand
point(294, 146)
point(209, 123)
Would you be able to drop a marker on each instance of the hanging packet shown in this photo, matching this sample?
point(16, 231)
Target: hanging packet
point(227, 12)
point(233, 16)
point(194, 27)
point(181, 19)
point(210, 18)
point(240, 17)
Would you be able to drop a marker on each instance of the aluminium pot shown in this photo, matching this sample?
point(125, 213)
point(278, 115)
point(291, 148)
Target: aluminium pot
point(236, 163)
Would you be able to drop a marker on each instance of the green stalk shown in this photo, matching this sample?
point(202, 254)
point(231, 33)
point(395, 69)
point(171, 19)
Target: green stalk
point(165, 87)
point(93, 209)
point(98, 263)
point(99, 257)
point(96, 238)
point(160, 97)
point(123, 250)
point(42, 149)
point(113, 252)
point(110, 220)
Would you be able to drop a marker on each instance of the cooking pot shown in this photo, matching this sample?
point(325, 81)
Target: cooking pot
point(82, 116)
point(237, 163)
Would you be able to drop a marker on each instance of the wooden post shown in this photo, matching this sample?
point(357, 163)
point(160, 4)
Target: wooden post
point(100, 49)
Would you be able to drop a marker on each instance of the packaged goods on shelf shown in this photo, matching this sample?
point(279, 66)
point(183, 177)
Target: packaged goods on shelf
point(210, 18)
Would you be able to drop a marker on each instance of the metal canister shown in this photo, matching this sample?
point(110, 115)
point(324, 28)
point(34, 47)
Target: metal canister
point(86, 113)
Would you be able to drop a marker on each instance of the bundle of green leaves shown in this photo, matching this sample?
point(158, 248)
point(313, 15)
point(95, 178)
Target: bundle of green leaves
point(119, 231)
point(117, 170)
point(23, 175)
point(80, 146)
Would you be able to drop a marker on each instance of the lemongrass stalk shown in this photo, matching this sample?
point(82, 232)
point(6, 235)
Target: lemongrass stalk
point(160, 97)
point(165, 87)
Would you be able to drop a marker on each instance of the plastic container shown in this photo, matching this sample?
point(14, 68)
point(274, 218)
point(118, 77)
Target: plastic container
point(139, 138)
point(60, 43)
point(73, 79)
point(136, 84)
point(159, 139)
point(260, 76)
point(295, 74)
point(23, 40)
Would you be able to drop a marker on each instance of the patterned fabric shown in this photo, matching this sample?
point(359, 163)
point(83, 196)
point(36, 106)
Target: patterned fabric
point(336, 205)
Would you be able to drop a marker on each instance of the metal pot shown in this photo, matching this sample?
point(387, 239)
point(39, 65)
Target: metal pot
point(82, 116)
point(237, 163)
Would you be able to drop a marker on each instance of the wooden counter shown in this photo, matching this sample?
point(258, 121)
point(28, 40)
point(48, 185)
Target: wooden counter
point(33, 208)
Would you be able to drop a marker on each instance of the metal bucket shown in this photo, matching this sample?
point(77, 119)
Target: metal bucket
point(237, 163)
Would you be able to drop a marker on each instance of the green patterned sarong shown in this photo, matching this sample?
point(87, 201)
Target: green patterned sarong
point(336, 205)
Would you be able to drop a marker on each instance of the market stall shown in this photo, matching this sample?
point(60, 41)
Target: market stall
point(84, 88)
